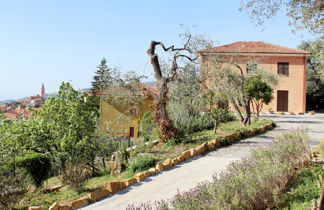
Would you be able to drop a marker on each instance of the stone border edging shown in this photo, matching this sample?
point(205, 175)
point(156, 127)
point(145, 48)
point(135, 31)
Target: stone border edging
point(113, 187)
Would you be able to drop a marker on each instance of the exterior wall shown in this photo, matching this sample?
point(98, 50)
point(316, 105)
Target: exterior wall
point(295, 83)
point(116, 120)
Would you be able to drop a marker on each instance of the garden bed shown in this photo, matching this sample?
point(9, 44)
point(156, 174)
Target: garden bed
point(168, 155)
point(303, 189)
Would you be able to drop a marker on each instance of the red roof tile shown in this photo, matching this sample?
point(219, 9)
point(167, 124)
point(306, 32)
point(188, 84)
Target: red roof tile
point(17, 113)
point(253, 47)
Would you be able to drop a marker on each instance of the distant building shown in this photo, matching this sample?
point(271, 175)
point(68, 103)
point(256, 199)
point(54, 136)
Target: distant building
point(17, 113)
point(16, 109)
point(42, 95)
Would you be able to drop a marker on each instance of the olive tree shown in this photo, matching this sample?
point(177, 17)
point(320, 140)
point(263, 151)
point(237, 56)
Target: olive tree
point(225, 75)
point(178, 56)
point(303, 14)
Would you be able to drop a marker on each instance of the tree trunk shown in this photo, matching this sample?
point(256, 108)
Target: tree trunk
point(237, 111)
point(93, 167)
point(167, 130)
point(161, 117)
point(215, 127)
point(247, 117)
point(103, 163)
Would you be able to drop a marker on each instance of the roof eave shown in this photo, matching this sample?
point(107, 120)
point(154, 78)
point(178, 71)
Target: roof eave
point(256, 53)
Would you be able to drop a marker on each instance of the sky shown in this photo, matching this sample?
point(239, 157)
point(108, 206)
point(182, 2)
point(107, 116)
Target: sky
point(64, 40)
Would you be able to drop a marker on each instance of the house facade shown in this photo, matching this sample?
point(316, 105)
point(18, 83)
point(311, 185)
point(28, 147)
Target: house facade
point(289, 64)
point(123, 119)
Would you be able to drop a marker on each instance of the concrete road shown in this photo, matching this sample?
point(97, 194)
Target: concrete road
point(314, 124)
point(188, 174)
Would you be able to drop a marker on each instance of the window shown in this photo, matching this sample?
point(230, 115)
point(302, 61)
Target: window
point(251, 67)
point(283, 68)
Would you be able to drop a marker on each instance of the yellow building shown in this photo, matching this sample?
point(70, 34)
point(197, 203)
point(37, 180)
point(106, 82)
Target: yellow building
point(121, 119)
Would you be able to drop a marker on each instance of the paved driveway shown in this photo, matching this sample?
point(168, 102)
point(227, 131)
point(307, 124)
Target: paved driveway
point(314, 123)
point(188, 174)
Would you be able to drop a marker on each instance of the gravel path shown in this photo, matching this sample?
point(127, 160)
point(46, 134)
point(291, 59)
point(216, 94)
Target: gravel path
point(188, 174)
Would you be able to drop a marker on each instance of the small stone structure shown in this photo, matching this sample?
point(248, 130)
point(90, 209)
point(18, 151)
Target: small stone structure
point(115, 164)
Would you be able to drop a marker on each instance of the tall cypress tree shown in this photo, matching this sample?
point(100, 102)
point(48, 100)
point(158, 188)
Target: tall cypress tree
point(103, 77)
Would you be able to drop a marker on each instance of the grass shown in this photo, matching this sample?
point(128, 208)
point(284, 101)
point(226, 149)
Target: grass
point(65, 195)
point(161, 152)
point(303, 190)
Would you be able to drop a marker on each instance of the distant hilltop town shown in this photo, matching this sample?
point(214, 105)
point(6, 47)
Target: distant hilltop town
point(19, 108)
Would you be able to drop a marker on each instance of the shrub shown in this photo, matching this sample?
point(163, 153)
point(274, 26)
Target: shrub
point(255, 182)
point(75, 175)
point(37, 165)
point(303, 189)
point(173, 142)
point(123, 155)
point(148, 127)
point(142, 162)
point(190, 124)
point(12, 189)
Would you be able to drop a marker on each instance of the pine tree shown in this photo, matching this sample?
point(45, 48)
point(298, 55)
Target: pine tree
point(103, 77)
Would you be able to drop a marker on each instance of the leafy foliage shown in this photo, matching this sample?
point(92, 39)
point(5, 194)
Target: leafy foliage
point(185, 105)
point(259, 91)
point(123, 155)
point(148, 126)
point(225, 75)
point(70, 122)
point(315, 73)
point(60, 133)
point(37, 165)
point(12, 188)
point(142, 162)
point(303, 14)
point(217, 107)
point(75, 175)
point(303, 189)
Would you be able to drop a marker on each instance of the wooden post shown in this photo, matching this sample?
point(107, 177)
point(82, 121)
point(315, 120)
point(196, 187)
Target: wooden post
point(321, 199)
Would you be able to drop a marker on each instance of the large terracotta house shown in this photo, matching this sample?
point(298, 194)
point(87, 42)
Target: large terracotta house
point(289, 64)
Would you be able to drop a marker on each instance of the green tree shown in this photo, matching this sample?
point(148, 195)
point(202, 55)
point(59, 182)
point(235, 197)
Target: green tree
point(185, 104)
point(315, 74)
point(103, 77)
point(227, 77)
point(303, 14)
point(259, 92)
point(217, 107)
point(178, 57)
point(72, 122)
point(147, 126)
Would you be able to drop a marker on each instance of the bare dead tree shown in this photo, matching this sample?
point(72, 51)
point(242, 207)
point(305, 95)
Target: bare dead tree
point(167, 130)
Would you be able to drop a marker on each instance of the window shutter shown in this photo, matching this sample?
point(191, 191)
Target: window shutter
point(283, 68)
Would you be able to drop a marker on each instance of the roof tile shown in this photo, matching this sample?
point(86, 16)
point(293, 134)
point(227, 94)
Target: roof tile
point(253, 47)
